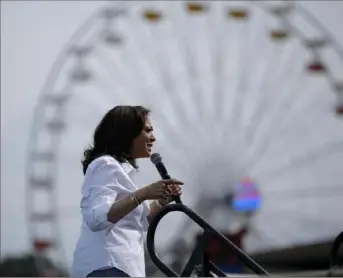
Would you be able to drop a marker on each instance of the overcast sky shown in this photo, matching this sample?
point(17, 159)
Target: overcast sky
point(32, 34)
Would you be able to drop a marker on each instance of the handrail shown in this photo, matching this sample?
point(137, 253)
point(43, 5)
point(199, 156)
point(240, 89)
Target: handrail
point(202, 223)
point(151, 243)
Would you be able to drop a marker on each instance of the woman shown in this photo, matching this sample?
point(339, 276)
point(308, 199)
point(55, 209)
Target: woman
point(115, 210)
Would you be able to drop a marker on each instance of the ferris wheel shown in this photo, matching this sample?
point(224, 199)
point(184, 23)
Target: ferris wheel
point(237, 89)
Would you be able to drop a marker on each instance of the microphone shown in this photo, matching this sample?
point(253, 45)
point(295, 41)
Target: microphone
point(156, 159)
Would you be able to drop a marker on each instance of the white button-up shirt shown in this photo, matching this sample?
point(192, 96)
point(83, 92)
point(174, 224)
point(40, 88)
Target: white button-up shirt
point(103, 244)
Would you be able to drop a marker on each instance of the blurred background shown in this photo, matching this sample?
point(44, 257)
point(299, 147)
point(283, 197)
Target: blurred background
point(247, 101)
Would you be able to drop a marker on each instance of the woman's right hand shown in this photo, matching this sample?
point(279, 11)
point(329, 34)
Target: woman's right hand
point(157, 190)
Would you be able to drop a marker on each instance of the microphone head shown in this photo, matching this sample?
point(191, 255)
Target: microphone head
point(155, 158)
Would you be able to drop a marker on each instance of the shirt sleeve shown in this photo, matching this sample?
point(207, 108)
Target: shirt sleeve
point(100, 190)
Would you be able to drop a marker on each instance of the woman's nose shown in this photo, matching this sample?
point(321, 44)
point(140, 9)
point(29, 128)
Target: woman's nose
point(153, 139)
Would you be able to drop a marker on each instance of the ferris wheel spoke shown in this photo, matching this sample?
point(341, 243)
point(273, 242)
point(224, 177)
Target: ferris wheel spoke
point(296, 108)
point(213, 41)
point(143, 72)
point(306, 109)
point(217, 63)
point(241, 46)
point(255, 116)
point(297, 213)
point(238, 104)
point(264, 146)
point(176, 30)
point(268, 103)
point(284, 130)
point(268, 239)
point(184, 47)
point(91, 118)
point(204, 34)
point(169, 135)
point(275, 234)
point(106, 88)
point(218, 49)
point(167, 127)
point(105, 62)
point(243, 90)
point(330, 192)
point(83, 122)
point(304, 189)
point(128, 83)
point(129, 61)
point(246, 68)
point(168, 83)
point(298, 115)
point(96, 98)
point(302, 217)
point(236, 97)
point(303, 159)
point(315, 221)
point(284, 69)
point(315, 127)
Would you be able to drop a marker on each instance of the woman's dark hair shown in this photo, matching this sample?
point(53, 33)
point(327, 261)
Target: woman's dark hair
point(115, 133)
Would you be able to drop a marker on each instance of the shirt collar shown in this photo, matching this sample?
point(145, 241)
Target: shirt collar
point(128, 168)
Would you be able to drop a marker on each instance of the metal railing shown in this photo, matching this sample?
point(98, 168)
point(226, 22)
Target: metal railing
point(198, 260)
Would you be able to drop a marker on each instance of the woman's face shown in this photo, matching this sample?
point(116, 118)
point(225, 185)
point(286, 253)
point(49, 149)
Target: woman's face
point(143, 143)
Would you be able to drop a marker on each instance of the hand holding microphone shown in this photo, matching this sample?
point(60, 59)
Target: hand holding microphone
point(174, 188)
point(163, 189)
